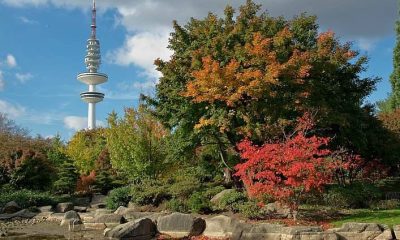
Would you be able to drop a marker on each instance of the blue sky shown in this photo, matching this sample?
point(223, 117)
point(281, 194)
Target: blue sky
point(42, 48)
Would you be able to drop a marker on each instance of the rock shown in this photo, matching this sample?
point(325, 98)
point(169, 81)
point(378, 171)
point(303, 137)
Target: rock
point(140, 229)
point(217, 198)
point(130, 214)
point(387, 233)
point(396, 230)
point(24, 213)
point(359, 231)
point(94, 226)
point(102, 211)
point(277, 209)
point(98, 201)
point(80, 209)
point(179, 225)
point(121, 210)
point(109, 218)
point(71, 217)
point(82, 201)
point(43, 216)
point(220, 227)
point(11, 207)
point(64, 207)
point(258, 231)
point(45, 209)
point(3, 233)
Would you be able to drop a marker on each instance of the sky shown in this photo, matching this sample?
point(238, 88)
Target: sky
point(42, 49)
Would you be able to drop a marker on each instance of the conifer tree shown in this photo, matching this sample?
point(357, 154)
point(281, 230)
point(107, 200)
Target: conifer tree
point(67, 177)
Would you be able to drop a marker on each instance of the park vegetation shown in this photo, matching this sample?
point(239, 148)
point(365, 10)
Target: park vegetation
point(271, 107)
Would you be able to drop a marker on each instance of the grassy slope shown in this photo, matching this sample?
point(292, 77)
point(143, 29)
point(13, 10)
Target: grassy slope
point(389, 217)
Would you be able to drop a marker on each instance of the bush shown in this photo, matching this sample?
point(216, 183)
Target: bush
point(232, 201)
point(150, 192)
point(357, 195)
point(177, 205)
point(199, 203)
point(27, 198)
point(118, 197)
point(386, 204)
point(251, 210)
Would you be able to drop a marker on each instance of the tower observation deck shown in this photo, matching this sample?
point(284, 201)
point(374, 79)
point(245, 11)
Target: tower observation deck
point(91, 77)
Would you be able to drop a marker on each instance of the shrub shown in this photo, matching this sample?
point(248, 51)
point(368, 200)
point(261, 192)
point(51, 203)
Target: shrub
point(199, 203)
point(232, 201)
point(250, 210)
point(67, 177)
point(27, 198)
point(177, 205)
point(385, 204)
point(357, 195)
point(118, 197)
point(149, 192)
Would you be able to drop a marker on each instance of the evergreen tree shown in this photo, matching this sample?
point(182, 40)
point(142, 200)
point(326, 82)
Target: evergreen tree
point(67, 177)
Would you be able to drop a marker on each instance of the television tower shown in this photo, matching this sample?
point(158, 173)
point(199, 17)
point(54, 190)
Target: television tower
point(92, 77)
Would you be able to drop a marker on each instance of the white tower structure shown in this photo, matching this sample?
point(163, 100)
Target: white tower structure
point(92, 77)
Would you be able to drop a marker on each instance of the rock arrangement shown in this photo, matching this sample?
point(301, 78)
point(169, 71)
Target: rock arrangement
point(128, 223)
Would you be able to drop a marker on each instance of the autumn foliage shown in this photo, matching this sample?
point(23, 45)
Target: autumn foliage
point(286, 169)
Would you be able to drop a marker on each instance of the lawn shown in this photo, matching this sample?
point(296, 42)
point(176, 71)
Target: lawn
point(389, 217)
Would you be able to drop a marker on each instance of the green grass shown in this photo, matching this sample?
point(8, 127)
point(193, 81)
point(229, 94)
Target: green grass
point(388, 217)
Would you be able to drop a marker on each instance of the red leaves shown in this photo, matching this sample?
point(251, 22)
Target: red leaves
point(283, 169)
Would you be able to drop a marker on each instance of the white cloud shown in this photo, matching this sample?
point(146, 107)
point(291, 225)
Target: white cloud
point(78, 123)
point(141, 50)
point(27, 20)
point(2, 83)
point(366, 44)
point(23, 77)
point(12, 110)
point(11, 61)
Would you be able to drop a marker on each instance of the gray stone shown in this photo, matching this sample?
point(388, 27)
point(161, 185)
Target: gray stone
point(3, 233)
point(64, 207)
point(220, 227)
point(140, 229)
point(259, 231)
point(359, 231)
point(102, 211)
point(94, 226)
point(98, 201)
point(277, 209)
point(56, 217)
point(24, 213)
point(179, 225)
point(82, 201)
point(121, 210)
point(396, 231)
point(80, 209)
point(11, 207)
point(71, 217)
point(313, 236)
point(130, 214)
point(217, 198)
point(45, 209)
point(109, 218)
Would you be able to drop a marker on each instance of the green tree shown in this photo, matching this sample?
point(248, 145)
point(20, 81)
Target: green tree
point(67, 176)
point(85, 147)
point(247, 76)
point(136, 143)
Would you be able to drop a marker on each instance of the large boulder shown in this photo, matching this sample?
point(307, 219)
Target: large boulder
point(81, 209)
point(220, 226)
point(258, 232)
point(44, 209)
point(217, 198)
point(71, 218)
point(396, 231)
point(82, 201)
point(64, 207)
point(179, 225)
point(358, 231)
point(277, 209)
point(109, 220)
point(140, 229)
point(24, 213)
point(102, 211)
point(11, 207)
point(98, 201)
point(306, 233)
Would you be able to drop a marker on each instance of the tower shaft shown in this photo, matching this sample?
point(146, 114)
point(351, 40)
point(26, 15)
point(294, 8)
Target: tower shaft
point(92, 116)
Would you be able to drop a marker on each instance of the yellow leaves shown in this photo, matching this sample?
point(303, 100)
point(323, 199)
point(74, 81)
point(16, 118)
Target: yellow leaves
point(203, 122)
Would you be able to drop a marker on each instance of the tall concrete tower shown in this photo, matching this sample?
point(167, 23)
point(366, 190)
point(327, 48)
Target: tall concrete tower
point(92, 77)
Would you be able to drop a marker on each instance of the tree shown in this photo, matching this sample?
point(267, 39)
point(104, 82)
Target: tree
point(230, 78)
point(67, 176)
point(85, 147)
point(286, 169)
point(136, 143)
